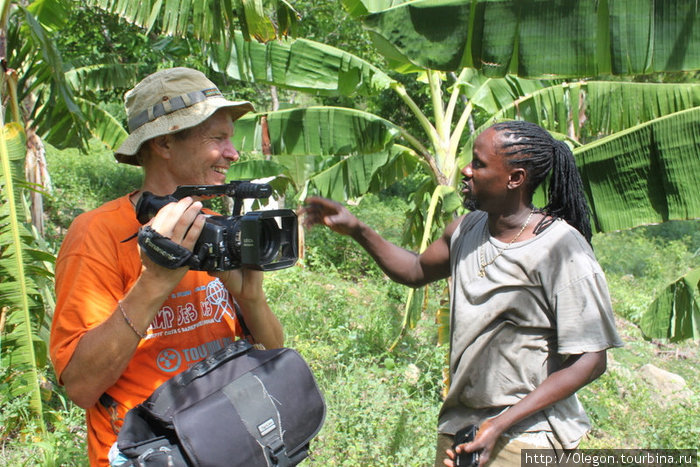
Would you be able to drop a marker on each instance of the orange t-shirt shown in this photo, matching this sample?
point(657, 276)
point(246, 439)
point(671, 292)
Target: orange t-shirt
point(94, 270)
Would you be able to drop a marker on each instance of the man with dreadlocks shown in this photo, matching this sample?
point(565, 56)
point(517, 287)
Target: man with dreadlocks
point(531, 317)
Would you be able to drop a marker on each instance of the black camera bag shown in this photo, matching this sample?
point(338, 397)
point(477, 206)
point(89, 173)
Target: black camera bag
point(239, 407)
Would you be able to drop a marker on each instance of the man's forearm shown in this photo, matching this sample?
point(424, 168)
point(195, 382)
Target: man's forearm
point(399, 264)
point(402, 266)
point(262, 323)
point(104, 351)
point(557, 386)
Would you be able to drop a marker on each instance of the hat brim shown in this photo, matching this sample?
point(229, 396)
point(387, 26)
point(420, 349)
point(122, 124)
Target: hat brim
point(177, 121)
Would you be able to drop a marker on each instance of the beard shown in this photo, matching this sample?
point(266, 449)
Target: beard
point(470, 203)
point(468, 199)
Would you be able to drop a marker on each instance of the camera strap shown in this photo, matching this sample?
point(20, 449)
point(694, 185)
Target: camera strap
point(163, 251)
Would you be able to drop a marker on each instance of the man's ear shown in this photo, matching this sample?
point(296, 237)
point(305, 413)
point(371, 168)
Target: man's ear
point(517, 178)
point(160, 146)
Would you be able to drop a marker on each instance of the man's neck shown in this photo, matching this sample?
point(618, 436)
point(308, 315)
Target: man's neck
point(505, 225)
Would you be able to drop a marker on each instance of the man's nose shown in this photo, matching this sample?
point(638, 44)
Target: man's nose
point(231, 153)
point(467, 171)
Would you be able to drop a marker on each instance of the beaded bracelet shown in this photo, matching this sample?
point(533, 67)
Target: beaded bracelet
point(129, 322)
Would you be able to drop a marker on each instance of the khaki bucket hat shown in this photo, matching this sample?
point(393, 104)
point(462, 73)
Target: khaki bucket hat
point(169, 101)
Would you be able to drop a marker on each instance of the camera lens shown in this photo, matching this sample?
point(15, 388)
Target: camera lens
point(269, 240)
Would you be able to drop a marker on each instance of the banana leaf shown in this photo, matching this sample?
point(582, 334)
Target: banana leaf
point(17, 289)
point(351, 177)
point(208, 20)
point(646, 174)
point(103, 76)
point(103, 125)
point(337, 177)
point(316, 131)
point(298, 64)
point(433, 34)
point(58, 119)
point(359, 8)
point(672, 28)
point(494, 94)
point(675, 314)
point(610, 106)
point(535, 38)
point(256, 168)
point(579, 110)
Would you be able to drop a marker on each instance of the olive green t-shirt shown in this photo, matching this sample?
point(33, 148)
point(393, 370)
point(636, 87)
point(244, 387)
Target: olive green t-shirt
point(540, 300)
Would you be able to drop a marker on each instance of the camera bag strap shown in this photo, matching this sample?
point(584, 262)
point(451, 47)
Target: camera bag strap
point(262, 419)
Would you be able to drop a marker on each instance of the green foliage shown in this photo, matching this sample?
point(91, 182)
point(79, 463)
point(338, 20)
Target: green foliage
point(639, 263)
point(24, 273)
point(531, 37)
point(83, 182)
point(326, 250)
point(325, 21)
point(382, 407)
point(208, 20)
point(340, 311)
point(626, 411)
point(661, 319)
point(64, 442)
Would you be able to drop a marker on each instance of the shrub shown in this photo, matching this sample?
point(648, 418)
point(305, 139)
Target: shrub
point(82, 182)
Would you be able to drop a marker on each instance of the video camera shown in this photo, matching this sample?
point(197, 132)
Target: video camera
point(262, 240)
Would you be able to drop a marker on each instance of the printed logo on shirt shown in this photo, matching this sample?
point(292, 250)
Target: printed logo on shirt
point(217, 295)
point(169, 360)
point(200, 352)
point(191, 315)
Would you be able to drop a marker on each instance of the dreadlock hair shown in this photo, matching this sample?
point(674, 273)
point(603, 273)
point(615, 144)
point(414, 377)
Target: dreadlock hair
point(531, 147)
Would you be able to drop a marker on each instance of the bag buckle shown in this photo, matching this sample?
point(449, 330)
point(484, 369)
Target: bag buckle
point(276, 454)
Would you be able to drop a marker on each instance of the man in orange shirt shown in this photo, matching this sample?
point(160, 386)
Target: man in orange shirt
point(123, 324)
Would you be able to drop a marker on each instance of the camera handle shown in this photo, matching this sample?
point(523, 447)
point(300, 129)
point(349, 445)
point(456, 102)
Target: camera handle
point(237, 189)
point(149, 204)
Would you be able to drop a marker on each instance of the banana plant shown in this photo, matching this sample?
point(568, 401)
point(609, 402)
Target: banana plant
point(23, 274)
point(646, 175)
point(650, 170)
point(51, 93)
point(48, 97)
point(41, 106)
point(57, 98)
point(675, 313)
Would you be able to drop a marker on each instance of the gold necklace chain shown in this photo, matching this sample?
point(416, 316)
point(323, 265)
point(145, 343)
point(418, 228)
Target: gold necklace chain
point(482, 263)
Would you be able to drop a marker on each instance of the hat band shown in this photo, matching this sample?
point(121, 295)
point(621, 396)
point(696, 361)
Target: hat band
point(170, 106)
